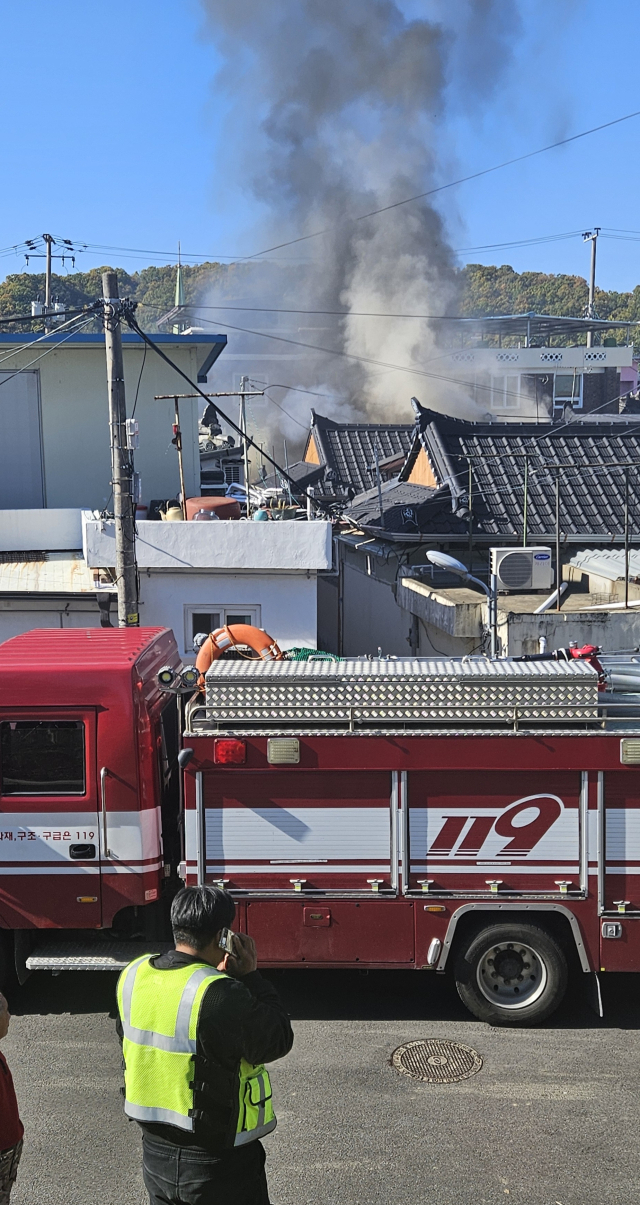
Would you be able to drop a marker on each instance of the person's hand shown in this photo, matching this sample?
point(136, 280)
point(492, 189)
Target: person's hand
point(244, 959)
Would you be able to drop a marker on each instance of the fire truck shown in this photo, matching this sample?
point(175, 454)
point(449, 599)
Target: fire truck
point(470, 816)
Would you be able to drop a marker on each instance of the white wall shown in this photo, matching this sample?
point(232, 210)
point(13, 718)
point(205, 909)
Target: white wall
point(221, 544)
point(24, 614)
point(41, 530)
point(287, 601)
point(75, 423)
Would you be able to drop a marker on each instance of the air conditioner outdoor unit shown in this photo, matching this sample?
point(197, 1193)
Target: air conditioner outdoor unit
point(522, 568)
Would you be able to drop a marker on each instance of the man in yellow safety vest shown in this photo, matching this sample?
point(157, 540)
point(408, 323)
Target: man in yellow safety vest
point(197, 1025)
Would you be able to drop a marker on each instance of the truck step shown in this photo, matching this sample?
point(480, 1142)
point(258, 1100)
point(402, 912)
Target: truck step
point(91, 956)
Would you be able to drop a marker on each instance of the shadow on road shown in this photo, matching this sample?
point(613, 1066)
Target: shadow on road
point(335, 995)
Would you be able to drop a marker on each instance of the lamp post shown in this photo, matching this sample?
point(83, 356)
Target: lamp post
point(443, 561)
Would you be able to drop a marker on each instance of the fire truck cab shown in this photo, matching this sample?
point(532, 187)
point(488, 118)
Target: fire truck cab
point(474, 816)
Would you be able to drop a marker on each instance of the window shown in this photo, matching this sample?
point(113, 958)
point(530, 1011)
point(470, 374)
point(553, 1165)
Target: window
point(505, 393)
point(205, 619)
point(567, 390)
point(42, 757)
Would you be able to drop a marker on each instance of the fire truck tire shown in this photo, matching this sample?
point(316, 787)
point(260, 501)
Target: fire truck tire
point(512, 974)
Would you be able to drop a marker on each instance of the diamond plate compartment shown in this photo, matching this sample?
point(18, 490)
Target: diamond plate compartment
point(402, 689)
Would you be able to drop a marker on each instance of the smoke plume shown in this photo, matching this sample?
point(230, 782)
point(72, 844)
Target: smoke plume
point(339, 107)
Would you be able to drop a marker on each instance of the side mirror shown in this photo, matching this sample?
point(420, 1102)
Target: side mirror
point(184, 757)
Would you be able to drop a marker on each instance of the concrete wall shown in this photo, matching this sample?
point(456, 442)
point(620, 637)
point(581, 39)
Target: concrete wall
point(18, 615)
point(222, 544)
point(287, 602)
point(41, 530)
point(613, 631)
point(75, 427)
point(371, 617)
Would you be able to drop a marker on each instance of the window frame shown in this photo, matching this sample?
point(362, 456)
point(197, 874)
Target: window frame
point(502, 397)
point(48, 802)
point(224, 609)
point(561, 400)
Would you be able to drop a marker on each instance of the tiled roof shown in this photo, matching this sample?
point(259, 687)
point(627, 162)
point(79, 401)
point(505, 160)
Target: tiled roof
point(584, 455)
point(348, 451)
point(406, 508)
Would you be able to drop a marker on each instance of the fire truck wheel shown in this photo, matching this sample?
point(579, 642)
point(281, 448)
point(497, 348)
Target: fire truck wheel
point(512, 975)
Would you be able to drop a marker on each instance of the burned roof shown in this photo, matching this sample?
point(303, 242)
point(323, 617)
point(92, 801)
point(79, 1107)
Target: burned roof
point(348, 451)
point(589, 460)
point(406, 509)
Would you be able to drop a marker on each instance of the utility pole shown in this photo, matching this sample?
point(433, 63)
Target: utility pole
point(121, 465)
point(244, 381)
point(47, 281)
point(68, 252)
point(592, 237)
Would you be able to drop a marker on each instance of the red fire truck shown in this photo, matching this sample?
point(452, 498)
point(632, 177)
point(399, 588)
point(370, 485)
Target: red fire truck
point(474, 816)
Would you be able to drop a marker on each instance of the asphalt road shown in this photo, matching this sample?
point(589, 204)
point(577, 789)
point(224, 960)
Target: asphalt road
point(553, 1117)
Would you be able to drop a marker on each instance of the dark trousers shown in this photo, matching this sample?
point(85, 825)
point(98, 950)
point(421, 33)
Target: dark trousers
point(178, 1175)
point(9, 1160)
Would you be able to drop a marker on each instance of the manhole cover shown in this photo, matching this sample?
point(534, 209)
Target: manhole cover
point(436, 1062)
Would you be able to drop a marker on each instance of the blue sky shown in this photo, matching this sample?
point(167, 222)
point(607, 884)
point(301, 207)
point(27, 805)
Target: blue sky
point(115, 133)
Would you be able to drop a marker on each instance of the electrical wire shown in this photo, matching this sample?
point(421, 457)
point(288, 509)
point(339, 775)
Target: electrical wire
point(286, 412)
point(32, 342)
point(421, 372)
point(144, 253)
point(58, 343)
point(452, 184)
point(144, 360)
point(34, 317)
point(131, 322)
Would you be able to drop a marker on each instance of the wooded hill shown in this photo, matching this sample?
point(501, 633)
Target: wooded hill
point(484, 290)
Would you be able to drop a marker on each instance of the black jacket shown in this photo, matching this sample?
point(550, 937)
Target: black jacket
point(239, 1018)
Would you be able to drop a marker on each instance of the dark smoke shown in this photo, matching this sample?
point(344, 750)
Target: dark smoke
point(339, 107)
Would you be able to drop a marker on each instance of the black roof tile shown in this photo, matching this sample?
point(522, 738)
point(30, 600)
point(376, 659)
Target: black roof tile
point(348, 450)
point(585, 456)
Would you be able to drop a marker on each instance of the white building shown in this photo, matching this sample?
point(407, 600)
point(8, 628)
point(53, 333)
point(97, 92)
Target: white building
point(54, 417)
point(56, 570)
point(517, 383)
point(57, 556)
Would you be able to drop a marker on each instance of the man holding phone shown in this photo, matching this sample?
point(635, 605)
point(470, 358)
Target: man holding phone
point(197, 1025)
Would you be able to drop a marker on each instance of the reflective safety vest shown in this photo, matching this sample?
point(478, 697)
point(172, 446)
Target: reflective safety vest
point(160, 1012)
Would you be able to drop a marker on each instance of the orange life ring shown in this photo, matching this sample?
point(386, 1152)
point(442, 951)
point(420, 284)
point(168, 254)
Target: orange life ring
point(225, 638)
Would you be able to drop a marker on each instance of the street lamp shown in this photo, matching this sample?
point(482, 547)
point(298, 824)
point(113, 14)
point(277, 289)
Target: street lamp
point(443, 561)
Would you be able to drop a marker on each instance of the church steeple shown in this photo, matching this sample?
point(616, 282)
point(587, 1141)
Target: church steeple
point(179, 297)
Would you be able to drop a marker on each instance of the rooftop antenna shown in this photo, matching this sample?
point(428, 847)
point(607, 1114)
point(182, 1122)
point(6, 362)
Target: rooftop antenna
point(376, 455)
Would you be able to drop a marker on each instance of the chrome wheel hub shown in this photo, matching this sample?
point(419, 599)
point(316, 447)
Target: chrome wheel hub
point(512, 975)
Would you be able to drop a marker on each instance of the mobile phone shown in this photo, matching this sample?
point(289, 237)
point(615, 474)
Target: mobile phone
point(227, 941)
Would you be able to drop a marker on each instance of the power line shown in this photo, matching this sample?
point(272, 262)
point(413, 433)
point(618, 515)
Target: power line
point(39, 317)
point(452, 184)
point(144, 253)
point(421, 372)
point(127, 313)
point(25, 346)
point(212, 256)
point(57, 343)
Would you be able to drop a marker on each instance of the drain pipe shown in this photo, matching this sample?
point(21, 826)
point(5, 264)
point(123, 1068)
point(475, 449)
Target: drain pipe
point(548, 602)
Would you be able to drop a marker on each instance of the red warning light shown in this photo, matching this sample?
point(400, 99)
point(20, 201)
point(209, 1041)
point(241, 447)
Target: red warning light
point(229, 753)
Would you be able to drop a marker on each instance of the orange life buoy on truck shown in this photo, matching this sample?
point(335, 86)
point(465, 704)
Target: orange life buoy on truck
point(228, 637)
